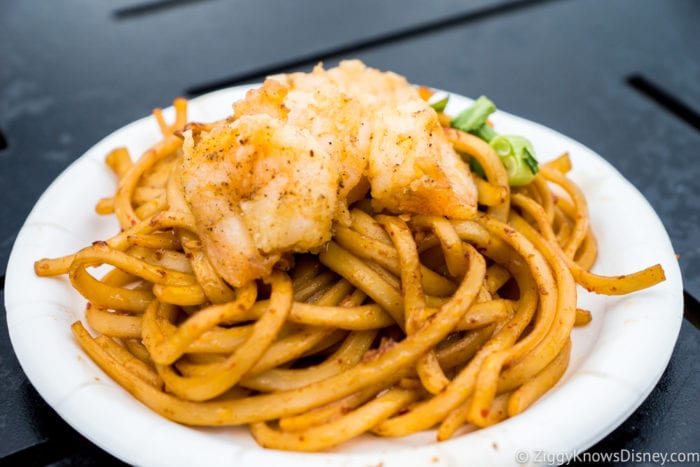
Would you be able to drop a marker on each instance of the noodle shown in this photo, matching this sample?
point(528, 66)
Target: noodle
point(400, 323)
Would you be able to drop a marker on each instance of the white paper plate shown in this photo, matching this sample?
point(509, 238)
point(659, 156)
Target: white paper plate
point(616, 360)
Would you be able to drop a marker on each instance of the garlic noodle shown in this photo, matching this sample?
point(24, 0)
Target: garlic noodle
point(400, 322)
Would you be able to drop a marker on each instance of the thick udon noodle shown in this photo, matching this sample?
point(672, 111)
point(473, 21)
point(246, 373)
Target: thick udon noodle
point(402, 323)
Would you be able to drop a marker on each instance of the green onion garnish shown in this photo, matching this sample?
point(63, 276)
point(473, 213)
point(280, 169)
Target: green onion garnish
point(516, 153)
point(440, 105)
point(474, 117)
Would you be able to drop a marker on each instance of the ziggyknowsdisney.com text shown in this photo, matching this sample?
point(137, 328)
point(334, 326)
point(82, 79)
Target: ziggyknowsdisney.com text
point(624, 455)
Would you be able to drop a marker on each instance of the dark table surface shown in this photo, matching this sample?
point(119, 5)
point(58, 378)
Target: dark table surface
point(621, 76)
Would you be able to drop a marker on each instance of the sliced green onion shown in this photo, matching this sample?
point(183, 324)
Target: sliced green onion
point(515, 152)
point(517, 155)
point(474, 116)
point(440, 105)
point(531, 161)
point(485, 132)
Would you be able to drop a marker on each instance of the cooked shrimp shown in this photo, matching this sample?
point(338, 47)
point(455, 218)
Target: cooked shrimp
point(413, 168)
point(258, 189)
point(301, 149)
point(336, 106)
point(371, 86)
point(335, 118)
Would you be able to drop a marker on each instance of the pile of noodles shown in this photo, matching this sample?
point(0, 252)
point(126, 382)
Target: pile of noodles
point(401, 323)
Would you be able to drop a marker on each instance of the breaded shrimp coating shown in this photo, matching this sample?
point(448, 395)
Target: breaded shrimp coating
point(298, 151)
point(413, 168)
point(258, 189)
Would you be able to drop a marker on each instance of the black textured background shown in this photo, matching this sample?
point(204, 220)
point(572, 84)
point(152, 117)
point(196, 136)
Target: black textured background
point(620, 76)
